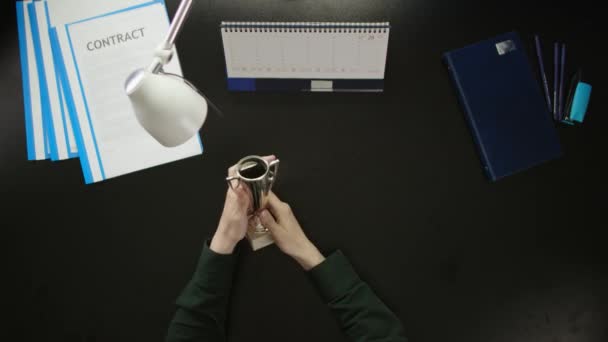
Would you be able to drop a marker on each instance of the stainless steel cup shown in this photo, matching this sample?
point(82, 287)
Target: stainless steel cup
point(259, 175)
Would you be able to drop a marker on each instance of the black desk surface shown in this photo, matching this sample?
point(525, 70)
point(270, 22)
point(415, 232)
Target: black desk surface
point(392, 179)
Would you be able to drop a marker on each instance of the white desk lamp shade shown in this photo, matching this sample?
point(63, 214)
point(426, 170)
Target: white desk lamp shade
point(168, 108)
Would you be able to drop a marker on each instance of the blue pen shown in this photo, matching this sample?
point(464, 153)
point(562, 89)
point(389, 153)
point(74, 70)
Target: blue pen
point(555, 77)
point(543, 75)
point(561, 83)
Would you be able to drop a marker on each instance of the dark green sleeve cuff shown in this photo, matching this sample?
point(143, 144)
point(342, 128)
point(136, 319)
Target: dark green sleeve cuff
point(215, 270)
point(334, 277)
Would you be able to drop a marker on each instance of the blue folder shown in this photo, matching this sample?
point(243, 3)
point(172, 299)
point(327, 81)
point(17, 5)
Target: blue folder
point(503, 105)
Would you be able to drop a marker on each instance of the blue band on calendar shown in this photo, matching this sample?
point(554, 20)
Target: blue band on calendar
point(296, 84)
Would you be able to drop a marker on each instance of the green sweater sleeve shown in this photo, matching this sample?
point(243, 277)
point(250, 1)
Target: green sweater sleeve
point(360, 313)
point(202, 305)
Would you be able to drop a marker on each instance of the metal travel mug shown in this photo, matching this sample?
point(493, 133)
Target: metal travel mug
point(259, 175)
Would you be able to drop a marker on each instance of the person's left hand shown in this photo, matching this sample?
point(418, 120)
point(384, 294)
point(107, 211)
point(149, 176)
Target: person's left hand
point(235, 216)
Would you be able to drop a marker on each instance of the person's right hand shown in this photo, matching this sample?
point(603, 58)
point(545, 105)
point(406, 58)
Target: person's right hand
point(288, 234)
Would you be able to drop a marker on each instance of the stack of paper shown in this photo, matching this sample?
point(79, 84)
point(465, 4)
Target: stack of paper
point(75, 57)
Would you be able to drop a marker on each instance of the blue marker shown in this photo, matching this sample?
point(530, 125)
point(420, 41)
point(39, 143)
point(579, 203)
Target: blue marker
point(555, 78)
point(561, 83)
point(543, 75)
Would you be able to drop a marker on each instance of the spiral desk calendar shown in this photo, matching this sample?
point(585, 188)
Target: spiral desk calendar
point(303, 56)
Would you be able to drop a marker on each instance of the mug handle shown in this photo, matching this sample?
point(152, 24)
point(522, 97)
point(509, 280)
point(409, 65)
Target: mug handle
point(229, 180)
point(273, 168)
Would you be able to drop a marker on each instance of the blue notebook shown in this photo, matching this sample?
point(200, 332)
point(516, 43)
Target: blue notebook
point(503, 105)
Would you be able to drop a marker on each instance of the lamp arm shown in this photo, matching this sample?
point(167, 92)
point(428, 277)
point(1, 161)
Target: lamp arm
point(176, 25)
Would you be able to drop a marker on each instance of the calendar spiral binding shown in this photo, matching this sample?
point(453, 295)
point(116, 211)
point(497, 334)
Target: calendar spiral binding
point(305, 27)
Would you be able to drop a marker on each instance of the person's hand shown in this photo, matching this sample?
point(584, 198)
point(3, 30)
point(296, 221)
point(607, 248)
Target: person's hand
point(288, 234)
point(235, 216)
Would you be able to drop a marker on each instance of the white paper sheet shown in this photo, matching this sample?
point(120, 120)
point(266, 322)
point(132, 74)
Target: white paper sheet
point(61, 12)
point(36, 139)
point(58, 132)
point(72, 146)
point(112, 142)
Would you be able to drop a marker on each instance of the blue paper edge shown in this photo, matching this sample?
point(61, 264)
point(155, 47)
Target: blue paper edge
point(61, 72)
point(86, 106)
point(63, 99)
point(44, 95)
point(25, 71)
point(119, 11)
point(59, 69)
point(84, 160)
point(59, 89)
